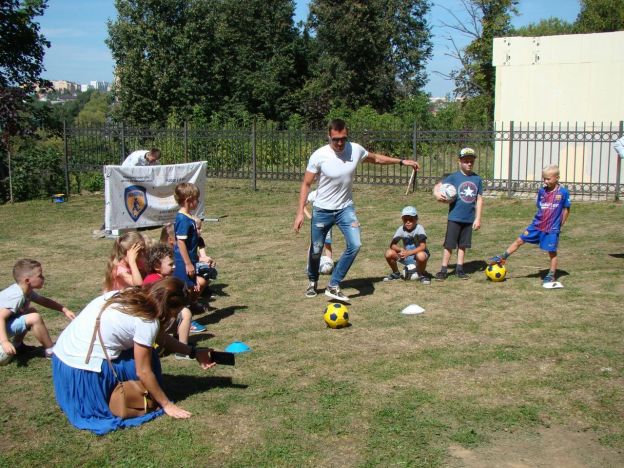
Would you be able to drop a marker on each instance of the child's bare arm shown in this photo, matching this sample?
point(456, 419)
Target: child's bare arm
point(564, 216)
point(188, 265)
point(7, 346)
point(135, 278)
point(477, 222)
point(52, 304)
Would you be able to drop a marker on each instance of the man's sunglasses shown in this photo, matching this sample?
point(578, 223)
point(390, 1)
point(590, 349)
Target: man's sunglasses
point(339, 140)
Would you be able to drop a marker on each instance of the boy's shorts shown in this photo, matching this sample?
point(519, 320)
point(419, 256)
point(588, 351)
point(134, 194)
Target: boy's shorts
point(16, 325)
point(458, 235)
point(547, 241)
point(411, 260)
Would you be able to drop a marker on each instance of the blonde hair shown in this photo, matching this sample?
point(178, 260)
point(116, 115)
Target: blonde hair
point(24, 268)
point(553, 169)
point(184, 191)
point(120, 249)
point(160, 301)
point(167, 234)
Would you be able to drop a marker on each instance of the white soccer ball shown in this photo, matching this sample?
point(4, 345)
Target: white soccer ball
point(409, 272)
point(449, 191)
point(327, 265)
point(4, 357)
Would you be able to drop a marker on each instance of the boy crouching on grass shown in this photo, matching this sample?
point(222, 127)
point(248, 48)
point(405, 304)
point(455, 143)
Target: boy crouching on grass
point(414, 249)
point(16, 315)
point(553, 209)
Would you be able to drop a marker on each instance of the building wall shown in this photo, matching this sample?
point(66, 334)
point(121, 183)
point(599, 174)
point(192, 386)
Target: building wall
point(558, 82)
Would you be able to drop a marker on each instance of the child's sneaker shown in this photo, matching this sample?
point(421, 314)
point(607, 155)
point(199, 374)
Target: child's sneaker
point(441, 275)
point(335, 293)
point(395, 275)
point(182, 357)
point(311, 291)
point(461, 274)
point(496, 259)
point(424, 279)
point(196, 327)
point(549, 278)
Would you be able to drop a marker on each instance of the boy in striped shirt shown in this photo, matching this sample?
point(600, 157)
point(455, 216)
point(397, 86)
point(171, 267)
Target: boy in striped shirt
point(553, 209)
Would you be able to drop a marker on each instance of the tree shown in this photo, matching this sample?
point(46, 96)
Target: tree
point(95, 110)
point(600, 16)
point(368, 53)
point(545, 27)
point(21, 63)
point(483, 21)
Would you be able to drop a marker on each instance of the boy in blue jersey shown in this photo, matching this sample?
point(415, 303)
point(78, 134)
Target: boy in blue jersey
point(464, 213)
point(553, 209)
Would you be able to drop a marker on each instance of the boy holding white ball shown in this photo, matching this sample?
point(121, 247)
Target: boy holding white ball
point(464, 211)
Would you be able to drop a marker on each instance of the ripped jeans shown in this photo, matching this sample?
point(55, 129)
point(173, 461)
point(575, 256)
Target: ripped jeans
point(322, 222)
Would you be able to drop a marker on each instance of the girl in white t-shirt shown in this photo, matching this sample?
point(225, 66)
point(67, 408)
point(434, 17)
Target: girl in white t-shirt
point(130, 323)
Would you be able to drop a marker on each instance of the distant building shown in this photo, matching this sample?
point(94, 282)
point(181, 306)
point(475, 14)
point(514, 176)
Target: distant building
point(65, 87)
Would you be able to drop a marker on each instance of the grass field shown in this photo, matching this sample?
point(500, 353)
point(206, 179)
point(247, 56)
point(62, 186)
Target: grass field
point(492, 374)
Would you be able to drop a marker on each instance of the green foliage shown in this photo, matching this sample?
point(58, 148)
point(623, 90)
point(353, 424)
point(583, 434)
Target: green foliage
point(94, 111)
point(36, 171)
point(369, 53)
point(545, 27)
point(600, 16)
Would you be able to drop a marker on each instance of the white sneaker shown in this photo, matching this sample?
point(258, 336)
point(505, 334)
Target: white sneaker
point(335, 293)
point(311, 290)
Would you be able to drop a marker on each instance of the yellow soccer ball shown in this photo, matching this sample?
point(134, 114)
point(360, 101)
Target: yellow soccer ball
point(496, 272)
point(336, 315)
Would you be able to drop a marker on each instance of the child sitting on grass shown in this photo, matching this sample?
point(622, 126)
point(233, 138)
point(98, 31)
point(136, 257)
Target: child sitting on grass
point(126, 261)
point(16, 315)
point(414, 250)
point(160, 265)
point(553, 209)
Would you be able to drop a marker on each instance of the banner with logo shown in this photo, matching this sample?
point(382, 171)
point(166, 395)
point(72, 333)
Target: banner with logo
point(142, 196)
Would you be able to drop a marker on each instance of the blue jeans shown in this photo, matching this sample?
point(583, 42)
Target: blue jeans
point(322, 222)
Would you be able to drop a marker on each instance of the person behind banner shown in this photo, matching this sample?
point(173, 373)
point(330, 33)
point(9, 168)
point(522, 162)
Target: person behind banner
point(142, 158)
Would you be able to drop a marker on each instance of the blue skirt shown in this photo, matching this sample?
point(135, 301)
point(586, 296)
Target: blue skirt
point(83, 395)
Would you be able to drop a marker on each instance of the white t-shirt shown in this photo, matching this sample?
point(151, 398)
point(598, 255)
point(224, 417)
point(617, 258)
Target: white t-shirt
point(137, 158)
point(120, 331)
point(14, 299)
point(335, 175)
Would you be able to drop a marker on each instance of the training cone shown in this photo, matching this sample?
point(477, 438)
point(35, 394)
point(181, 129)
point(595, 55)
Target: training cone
point(237, 347)
point(412, 309)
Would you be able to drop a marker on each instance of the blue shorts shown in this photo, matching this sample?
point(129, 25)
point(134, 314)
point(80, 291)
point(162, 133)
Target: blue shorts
point(411, 260)
point(16, 325)
point(547, 241)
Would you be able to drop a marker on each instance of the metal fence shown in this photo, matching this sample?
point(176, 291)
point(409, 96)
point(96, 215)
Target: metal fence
point(510, 156)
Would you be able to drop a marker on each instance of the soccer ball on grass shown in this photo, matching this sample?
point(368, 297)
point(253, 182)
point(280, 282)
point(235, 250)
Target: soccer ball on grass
point(496, 272)
point(4, 357)
point(336, 315)
point(409, 272)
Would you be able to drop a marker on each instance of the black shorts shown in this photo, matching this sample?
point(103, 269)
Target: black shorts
point(458, 235)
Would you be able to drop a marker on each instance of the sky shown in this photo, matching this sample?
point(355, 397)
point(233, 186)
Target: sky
point(77, 30)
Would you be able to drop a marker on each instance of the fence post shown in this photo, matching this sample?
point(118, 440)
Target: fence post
point(10, 172)
point(185, 141)
point(66, 157)
point(253, 155)
point(123, 142)
point(618, 165)
point(414, 155)
point(510, 157)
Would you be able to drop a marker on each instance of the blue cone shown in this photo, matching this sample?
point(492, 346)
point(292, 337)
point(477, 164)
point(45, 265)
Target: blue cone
point(237, 347)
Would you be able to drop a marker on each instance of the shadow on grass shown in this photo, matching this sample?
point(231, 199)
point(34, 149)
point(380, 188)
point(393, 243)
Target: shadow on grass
point(617, 255)
point(365, 286)
point(543, 272)
point(180, 387)
point(216, 290)
point(469, 267)
point(220, 314)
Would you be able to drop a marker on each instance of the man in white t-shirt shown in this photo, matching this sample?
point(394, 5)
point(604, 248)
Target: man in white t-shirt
point(334, 165)
point(142, 158)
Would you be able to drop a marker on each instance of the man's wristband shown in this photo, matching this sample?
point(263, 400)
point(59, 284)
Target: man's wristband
point(193, 353)
point(401, 162)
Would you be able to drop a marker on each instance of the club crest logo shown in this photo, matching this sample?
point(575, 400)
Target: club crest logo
point(136, 201)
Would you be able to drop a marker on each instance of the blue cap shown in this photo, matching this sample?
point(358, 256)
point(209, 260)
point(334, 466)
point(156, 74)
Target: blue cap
point(409, 211)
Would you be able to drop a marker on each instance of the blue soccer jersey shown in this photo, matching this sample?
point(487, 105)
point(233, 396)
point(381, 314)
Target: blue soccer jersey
point(550, 206)
point(469, 187)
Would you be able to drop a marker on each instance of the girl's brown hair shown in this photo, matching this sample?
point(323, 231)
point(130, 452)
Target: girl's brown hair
point(120, 248)
point(160, 301)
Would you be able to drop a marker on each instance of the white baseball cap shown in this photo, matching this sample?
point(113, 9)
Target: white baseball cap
point(409, 211)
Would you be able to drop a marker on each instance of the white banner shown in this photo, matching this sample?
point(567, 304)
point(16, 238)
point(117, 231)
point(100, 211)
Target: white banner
point(142, 196)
